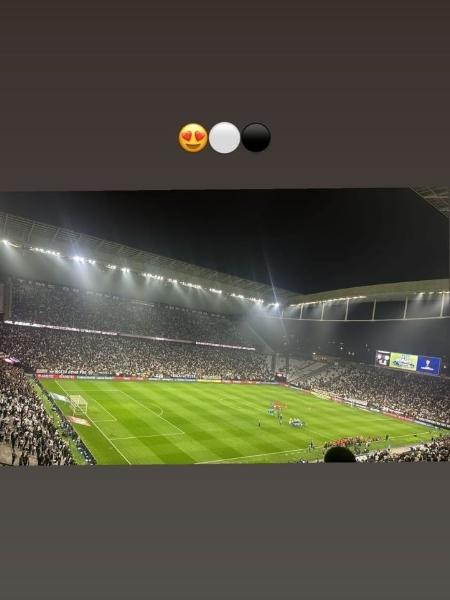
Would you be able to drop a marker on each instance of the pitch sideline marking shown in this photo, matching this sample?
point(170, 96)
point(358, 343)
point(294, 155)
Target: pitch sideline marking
point(210, 462)
point(101, 431)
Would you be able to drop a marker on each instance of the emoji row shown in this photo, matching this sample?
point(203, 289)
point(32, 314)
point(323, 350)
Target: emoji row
point(224, 137)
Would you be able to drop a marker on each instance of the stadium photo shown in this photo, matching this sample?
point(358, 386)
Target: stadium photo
point(224, 327)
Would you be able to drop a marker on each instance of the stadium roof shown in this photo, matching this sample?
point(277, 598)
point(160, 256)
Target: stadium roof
point(382, 292)
point(34, 233)
point(436, 196)
point(30, 233)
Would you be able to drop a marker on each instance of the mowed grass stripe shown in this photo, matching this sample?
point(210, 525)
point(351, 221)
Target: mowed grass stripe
point(134, 419)
point(216, 432)
point(167, 448)
point(147, 406)
point(282, 437)
point(361, 423)
point(126, 420)
point(228, 427)
point(183, 461)
point(94, 438)
point(207, 428)
point(159, 446)
point(228, 455)
point(221, 422)
point(286, 438)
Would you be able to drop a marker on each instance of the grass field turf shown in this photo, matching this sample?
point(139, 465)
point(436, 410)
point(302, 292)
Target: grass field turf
point(142, 423)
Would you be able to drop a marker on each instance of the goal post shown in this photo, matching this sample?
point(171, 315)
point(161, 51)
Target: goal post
point(79, 405)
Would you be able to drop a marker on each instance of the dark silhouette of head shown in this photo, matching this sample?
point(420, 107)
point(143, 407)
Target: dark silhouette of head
point(339, 454)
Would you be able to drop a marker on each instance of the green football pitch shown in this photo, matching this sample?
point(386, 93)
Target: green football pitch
point(151, 423)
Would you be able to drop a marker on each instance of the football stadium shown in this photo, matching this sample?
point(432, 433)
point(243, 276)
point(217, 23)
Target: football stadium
point(114, 355)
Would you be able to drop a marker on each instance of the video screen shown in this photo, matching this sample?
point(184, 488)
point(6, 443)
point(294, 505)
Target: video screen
point(406, 362)
point(427, 365)
point(383, 359)
point(213, 328)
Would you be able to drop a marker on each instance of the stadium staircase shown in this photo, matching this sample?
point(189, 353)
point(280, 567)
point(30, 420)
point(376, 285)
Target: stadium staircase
point(305, 369)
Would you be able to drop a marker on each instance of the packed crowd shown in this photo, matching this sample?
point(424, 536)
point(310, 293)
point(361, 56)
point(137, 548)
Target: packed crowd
point(25, 427)
point(46, 304)
point(414, 396)
point(358, 443)
point(87, 354)
point(437, 450)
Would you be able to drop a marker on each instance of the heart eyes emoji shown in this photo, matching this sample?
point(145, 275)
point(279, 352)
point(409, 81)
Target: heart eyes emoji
point(193, 137)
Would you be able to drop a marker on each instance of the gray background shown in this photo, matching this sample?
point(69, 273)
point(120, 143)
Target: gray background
point(356, 94)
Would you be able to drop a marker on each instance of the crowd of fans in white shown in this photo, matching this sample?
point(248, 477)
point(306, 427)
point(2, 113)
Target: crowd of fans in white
point(46, 304)
point(409, 394)
point(436, 451)
point(88, 354)
point(25, 426)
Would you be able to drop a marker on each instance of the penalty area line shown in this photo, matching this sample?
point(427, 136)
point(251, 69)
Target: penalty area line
point(100, 430)
point(146, 437)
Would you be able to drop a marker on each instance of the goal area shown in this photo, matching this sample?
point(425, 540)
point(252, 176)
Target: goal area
point(79, 405)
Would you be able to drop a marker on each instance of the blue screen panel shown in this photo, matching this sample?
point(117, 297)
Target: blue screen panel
point(429, 365)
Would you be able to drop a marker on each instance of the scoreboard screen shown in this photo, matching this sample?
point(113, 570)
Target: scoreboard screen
point(405, 362)
point(383, 358)
point(427, 365)
point(430, 365)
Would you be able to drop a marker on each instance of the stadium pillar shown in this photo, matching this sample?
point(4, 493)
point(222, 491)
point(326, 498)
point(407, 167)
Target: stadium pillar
point(6, 307)
point(406, 308)
point(274, 362)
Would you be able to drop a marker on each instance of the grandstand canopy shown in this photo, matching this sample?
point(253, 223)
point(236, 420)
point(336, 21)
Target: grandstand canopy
point(32, 233)
point(438, 197)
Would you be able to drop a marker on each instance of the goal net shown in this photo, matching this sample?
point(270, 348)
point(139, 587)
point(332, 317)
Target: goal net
point(79, 405)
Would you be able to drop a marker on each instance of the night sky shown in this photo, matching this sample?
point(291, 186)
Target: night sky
point(304, 241)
